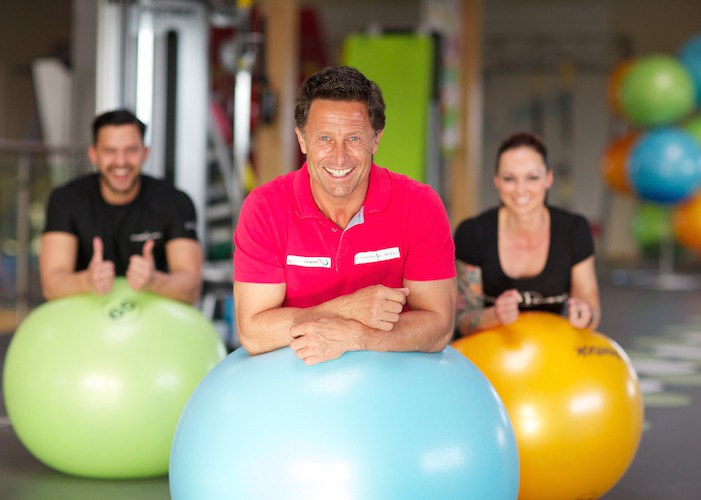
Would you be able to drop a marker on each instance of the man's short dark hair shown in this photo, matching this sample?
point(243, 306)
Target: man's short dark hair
point(116, 117)
point(340, 83)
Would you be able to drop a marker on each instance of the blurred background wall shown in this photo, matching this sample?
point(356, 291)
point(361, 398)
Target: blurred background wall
point(541, 65)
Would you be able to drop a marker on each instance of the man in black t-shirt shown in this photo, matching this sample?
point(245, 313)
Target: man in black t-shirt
point(119, 222)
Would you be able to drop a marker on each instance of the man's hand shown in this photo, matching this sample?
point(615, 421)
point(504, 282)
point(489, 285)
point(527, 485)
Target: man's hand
point(324, 339)
point(100, 272)
point(376, 306)
point(141, 268)
point(506, 306)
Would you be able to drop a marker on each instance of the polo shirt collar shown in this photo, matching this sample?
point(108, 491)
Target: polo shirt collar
point(376, 199)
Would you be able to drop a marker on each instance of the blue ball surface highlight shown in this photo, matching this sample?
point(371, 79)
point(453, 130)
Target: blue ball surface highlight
point(366, 426)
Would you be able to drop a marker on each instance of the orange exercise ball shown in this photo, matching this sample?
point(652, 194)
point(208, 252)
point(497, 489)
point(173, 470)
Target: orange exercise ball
point(613, 162)
point(686, 223)
point(613, 86)
point(573, 399)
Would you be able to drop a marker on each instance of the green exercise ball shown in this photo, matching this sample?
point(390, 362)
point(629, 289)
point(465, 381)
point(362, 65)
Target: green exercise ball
point(651, 227)
point(94, 384)
point(693, 126)
point(651, 223)
point(657, 90)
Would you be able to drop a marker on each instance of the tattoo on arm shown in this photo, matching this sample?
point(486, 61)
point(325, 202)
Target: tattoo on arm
point(470, 301)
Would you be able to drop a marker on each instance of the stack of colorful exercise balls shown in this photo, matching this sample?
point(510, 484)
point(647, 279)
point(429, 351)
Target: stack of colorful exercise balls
point(658, 157)
point(574, 402)
point(94, 384)
point(365, 426)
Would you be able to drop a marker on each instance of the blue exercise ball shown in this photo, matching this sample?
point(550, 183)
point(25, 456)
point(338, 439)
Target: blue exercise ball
point(366, 426)
point(94, 384)
point(690, 57)
point(664, 166)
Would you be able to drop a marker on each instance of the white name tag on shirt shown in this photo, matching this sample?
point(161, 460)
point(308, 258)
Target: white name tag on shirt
point(377, 256)
point(297, 260)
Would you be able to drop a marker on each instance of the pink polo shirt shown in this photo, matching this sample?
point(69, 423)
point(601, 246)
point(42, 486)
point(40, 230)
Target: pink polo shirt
point(401, 232)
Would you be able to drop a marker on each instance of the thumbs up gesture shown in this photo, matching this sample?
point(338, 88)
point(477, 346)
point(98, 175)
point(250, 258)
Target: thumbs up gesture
point(101, 272)
point(141, 267)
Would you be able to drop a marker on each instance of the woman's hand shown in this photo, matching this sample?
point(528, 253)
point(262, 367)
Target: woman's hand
point(579, 313)
point(506, 306)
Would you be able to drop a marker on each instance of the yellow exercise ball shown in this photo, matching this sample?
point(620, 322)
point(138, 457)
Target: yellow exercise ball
point(574, 402)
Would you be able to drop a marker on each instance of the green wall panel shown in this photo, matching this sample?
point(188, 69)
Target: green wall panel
point(402, 65)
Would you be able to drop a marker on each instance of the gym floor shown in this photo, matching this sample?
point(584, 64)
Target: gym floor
point(659, 329)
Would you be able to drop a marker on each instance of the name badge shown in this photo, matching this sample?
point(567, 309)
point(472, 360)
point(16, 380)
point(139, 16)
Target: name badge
point(377, 256)
point(297, 260)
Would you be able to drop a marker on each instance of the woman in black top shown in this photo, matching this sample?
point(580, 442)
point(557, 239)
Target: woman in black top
point(524, 254)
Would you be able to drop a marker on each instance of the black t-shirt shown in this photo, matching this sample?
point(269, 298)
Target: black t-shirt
point(570, 243)
point(160, 212)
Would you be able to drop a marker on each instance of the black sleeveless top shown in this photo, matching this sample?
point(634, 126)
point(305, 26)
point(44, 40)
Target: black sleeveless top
point(570, 243)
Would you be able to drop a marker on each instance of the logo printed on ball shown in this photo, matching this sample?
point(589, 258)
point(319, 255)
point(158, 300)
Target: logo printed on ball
point(597, 350)
point(123, 310)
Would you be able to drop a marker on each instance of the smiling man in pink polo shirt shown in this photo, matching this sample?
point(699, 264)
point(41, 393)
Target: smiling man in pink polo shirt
point(343, 255)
